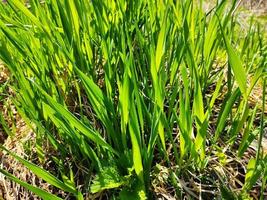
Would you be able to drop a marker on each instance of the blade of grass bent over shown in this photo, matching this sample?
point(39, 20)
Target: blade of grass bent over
point(41, 193)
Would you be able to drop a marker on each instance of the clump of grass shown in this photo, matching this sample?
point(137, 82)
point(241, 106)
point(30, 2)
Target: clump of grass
point(114, 88)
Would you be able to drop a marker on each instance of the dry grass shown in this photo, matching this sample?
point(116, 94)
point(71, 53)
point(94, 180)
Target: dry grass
point(8, 189)
point(23, 134)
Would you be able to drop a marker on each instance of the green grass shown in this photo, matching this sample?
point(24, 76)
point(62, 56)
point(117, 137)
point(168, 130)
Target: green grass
point(119, 87)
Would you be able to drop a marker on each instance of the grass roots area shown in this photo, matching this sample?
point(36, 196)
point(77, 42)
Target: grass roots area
point(145, 99)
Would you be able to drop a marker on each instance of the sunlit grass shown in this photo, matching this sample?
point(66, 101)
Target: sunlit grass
point(116, 87)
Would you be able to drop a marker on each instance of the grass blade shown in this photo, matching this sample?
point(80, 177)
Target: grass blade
point(41, 193)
